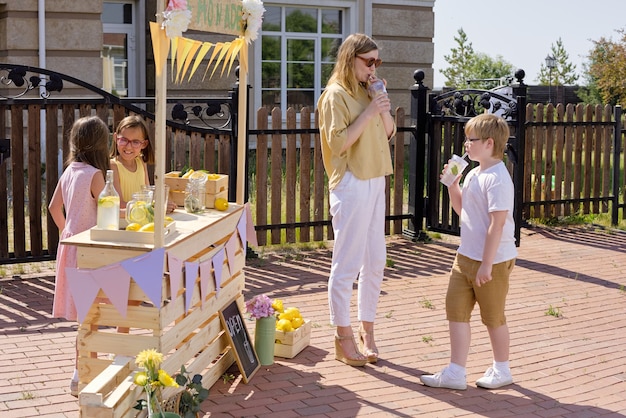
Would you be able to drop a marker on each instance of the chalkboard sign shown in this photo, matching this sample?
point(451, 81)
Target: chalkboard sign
point(239, 340)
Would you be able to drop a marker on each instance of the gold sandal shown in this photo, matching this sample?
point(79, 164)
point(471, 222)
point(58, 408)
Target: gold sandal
point(371, 354)
point(340, 355)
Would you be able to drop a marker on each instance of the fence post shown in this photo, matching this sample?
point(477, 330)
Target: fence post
point(519, 92)
point(617, 139)
point(417, 158)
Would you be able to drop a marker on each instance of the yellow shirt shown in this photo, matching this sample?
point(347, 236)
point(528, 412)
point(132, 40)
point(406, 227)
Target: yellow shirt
point(130, 181)
point(369, 156)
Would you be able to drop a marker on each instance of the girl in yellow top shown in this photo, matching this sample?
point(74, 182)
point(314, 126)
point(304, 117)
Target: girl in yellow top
point(355, 130)
point(131, 152)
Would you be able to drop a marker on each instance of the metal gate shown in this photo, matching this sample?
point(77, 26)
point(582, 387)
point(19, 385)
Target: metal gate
point(439, 121)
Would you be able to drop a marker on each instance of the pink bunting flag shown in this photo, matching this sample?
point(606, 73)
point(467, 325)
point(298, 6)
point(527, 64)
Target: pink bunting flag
point(175, 268)
point(191, 274)
point(205, 276)
point(84, 290)
point(218, 264)
point(241, 228)
point(115, 282)
point(147, 271)
point(250, 232)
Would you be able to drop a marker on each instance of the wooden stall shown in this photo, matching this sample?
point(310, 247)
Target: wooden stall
point(185, 324)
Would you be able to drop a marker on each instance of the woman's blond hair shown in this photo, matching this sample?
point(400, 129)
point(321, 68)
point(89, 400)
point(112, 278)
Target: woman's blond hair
point(343, 72)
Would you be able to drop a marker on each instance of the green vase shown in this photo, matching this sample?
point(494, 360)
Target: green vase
point(264, 335)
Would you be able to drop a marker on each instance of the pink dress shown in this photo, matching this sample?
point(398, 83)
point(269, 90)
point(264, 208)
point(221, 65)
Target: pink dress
point(80, 215)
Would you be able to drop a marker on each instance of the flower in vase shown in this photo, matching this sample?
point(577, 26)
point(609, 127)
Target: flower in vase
point(152, 379)
point(261, 306)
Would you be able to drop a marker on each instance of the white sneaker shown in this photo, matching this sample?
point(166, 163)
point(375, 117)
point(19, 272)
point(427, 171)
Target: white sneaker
point(444, 379)
point(494, 379)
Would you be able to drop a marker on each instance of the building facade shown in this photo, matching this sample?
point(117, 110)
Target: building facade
point(107, 43)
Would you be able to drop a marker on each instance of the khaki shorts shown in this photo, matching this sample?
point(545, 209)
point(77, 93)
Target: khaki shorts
point(463, 293)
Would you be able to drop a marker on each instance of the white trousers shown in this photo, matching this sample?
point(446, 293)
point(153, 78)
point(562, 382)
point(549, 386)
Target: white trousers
point(358, 210)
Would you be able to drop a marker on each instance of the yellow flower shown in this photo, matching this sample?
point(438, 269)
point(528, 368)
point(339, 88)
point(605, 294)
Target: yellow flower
point(278, 305)
point(149, 359)
point(141, 379)
point(166, 379)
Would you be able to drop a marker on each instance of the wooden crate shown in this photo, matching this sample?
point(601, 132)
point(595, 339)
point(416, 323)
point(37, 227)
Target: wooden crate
point(193, 337)
point(122, 235)
point(289, 344)
point(179, 184)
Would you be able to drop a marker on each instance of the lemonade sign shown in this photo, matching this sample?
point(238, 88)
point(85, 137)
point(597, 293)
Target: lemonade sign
point(220, 16)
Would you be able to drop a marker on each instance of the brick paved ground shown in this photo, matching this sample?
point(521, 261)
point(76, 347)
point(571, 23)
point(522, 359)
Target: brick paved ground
point(572, 365)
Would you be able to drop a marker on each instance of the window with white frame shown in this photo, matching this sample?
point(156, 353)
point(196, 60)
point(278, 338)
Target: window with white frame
point(298, 51)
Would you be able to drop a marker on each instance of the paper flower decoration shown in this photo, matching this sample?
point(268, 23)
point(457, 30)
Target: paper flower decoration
point(176, 18)
point(261, 306)
point(251, 18)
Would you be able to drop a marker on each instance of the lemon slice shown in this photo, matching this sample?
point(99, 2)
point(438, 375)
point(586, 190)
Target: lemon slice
point(108, 201)
point(138, 214)
point(455, 169)
point(199, 176)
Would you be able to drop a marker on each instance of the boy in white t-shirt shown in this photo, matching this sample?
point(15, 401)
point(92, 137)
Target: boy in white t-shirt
point(485, 257)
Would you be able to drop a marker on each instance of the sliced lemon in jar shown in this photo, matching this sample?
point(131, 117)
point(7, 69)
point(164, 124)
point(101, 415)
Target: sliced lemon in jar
point(138, 214)
point(108, 201)
point(198, 175)
point(221, 204)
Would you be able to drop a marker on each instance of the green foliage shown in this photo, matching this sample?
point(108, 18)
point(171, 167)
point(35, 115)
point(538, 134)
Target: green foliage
point(565, 72)
point(193, 395)
point(607, 69)
point(466, 65)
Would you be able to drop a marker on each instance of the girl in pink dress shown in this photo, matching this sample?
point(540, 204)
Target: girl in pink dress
point(73, 206)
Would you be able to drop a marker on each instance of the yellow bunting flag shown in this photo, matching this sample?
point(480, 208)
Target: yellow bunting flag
point(160, 45)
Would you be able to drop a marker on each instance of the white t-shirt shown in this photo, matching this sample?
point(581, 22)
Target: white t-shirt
point(487, 191)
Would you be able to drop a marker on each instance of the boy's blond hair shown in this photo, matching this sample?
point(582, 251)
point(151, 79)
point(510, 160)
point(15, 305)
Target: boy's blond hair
point(487, 125)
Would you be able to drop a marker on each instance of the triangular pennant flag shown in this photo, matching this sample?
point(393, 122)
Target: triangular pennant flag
point(159, 46)
point(218, 264)
point(241, 228)
point(243, 58)
point(191, 274)
point(184, 46)
point(175, 268)
point(173, 49)
point(115, 282)
point(217, 48)
point(203, 51)
point(237, 45)
point(83, 289)
point(223, 50)
point(250, 231)
point(195, 45)
point(147, 271)
point(205, 276)
point(231, 248)
point(228, 56)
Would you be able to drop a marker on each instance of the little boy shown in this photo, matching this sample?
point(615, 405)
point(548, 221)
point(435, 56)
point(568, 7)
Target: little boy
point(485, 257)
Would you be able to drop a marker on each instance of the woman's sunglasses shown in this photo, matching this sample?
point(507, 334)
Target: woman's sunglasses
point(371, 61)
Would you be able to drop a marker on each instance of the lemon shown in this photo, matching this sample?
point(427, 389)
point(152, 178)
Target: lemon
point(133, 227)
point(214, 176)
point(297, 322)
point(284, 325)
point(221, 204)
point(149, 227)
point(455, 169)
point(168, 220)
point(188, 173)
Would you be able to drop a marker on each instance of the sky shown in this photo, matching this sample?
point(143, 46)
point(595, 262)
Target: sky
point(523, 32)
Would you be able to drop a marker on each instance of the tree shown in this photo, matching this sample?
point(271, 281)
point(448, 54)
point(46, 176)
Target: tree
point(483, 71)
point(607, 70)
point(564, 74)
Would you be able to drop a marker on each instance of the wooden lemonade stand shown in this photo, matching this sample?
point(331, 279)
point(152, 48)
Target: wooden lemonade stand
point(179, 279)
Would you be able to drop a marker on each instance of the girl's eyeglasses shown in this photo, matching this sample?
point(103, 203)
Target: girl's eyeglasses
point(376, 62)
point(135, 143)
